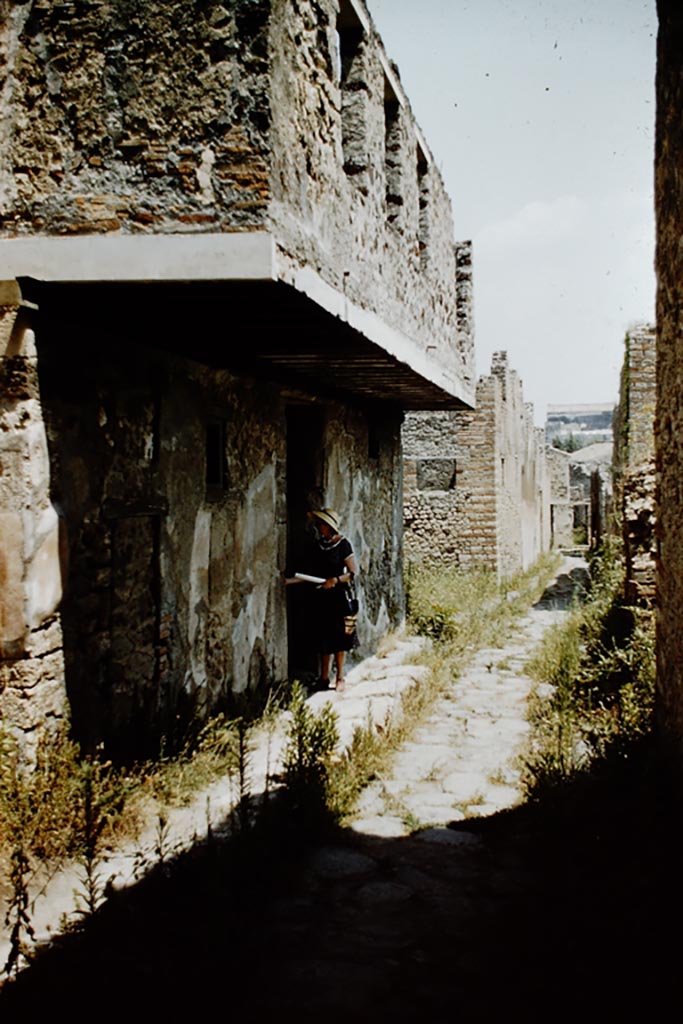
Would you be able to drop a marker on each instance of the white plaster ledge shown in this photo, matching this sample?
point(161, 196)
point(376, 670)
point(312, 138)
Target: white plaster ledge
point(236, 256)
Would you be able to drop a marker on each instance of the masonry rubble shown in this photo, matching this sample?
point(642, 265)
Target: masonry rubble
point(228, 267)
point(478, 485)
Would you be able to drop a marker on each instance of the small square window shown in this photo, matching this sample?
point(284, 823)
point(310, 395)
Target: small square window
point(436, 474)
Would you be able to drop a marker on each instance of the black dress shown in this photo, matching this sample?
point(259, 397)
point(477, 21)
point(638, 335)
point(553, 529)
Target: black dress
point(332, 629)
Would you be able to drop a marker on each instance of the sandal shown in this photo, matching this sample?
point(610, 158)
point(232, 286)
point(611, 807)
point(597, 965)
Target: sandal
point(339, 685)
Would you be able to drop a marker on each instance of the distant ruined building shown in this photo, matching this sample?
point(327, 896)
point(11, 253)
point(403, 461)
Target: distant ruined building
point(562, 521)
point(591, 486)
point(479, 489)
point(634, 463)
point(226, 269)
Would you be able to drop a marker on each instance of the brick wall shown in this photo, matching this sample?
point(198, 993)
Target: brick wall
point(561, 511)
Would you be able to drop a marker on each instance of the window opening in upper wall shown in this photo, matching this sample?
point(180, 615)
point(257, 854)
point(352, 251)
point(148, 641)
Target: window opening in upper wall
point(392, 153)
point(436, 474)
point(423, 192)
point(354, 89)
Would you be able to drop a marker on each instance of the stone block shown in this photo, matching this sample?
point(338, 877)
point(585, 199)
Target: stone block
point(35, 690)
point(46, 639)
point(12, 615)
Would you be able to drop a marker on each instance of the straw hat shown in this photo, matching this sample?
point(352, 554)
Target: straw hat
point(329, 516)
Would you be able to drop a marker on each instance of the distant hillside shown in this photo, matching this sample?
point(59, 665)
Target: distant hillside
point(572, 427)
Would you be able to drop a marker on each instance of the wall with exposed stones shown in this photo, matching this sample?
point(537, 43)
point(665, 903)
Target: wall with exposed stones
point(477, 485)
point(669, 420)
point(130, 117)
point(363, 203)
point(171, 483)
point(634, 463)
point(166, 470)
point(282, 116)
point(32, 549)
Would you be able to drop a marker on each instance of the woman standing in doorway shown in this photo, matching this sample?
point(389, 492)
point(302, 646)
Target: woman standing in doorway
point(333, 621)
point(335, 629)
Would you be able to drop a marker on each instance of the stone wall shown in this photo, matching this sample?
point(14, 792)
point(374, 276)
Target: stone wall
point(190, 190)
point(277, 116)
point(669, 420)
point(136, 118)
point(477, 484)
point(363, 203)
point(634, 463)
point(32, 549)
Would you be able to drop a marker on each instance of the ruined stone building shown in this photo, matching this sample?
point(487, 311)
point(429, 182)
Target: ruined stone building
point(228, 267)
point(590, 477)
point(669, 406)
point(634, 463)
point(478, 488)
point(561, 505)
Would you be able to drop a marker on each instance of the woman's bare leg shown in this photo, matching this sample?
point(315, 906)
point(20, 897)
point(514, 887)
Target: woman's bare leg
point(339, 665)
point(325, 666)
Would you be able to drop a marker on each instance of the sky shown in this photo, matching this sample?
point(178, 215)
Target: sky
point(540, 117)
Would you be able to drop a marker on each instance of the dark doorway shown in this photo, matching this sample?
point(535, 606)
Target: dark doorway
point(133, 715)
point(305, 471)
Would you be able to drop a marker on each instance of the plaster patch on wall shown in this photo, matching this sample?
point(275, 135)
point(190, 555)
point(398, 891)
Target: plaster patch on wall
point(43, 570)
point(199, 598)
point(204, 181)
point(256, 528)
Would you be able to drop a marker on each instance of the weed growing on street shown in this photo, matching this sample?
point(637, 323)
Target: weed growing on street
point(60, 806)
point(311, 742)
point(468, 610)
point(55, 808)
point(600, 665)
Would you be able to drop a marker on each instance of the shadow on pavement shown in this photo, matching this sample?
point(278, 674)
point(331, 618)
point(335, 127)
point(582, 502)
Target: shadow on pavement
point(559, 911)
point(565, 590)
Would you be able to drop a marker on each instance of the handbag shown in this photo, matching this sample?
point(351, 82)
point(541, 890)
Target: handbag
point(349, 598)
point(350, 608)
